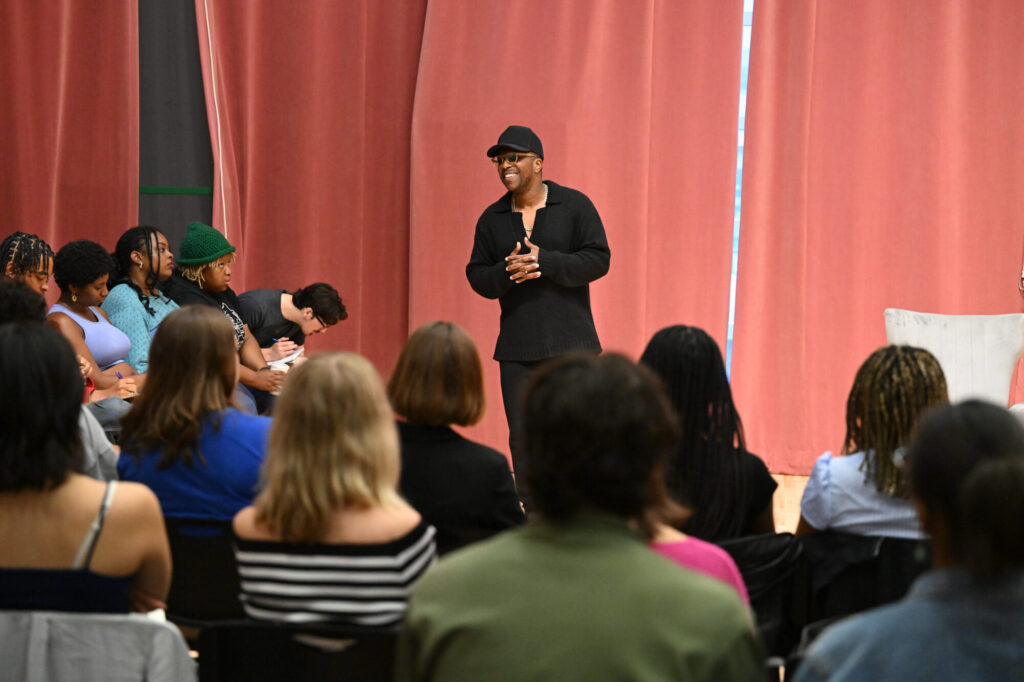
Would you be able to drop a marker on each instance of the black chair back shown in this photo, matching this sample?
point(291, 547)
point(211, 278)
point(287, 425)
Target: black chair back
point(248, 650)
point(204, 586)
point(772, 568)
point(851, 573)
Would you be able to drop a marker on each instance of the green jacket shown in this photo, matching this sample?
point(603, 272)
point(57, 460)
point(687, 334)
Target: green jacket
point(587, 600)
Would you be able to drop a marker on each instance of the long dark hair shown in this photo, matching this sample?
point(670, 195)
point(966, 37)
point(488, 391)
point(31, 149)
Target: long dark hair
point(139, 238)
point(706, 471)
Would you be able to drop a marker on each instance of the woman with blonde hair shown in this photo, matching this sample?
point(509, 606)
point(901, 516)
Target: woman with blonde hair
point(184, 438)
point(329, 539)
point(463, 488)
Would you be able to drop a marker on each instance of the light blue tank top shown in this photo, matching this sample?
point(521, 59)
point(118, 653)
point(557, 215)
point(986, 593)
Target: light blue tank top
point(108, 344)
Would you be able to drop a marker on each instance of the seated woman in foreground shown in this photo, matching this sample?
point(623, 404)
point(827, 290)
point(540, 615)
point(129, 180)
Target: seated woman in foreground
point(464, 489)
point(81, 269)
point(728, 489)
point(142, 260)
point(204, 271)
point(963, 620)
point(329, 539)
point(863, 491)
point(70, 543)
point(182, 437)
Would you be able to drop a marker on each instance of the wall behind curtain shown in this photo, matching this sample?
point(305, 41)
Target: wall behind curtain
point(882, 169)
point(69, 151)
point(309, 107)
point(636, 106)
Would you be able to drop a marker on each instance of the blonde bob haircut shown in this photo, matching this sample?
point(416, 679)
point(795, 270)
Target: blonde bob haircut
point(333, 446)
point(438, 379)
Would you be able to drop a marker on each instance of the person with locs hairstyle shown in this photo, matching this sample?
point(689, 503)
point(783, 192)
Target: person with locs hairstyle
point(329, 539)
point(464, 489)
point(27, 258)
point(863, 491)
point(135, 304)
point(728, 489)
point(964, 619)
point(281, 320)
point(576, 594)
point(536, 249)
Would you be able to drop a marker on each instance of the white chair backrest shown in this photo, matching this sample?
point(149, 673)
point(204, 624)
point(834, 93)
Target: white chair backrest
point(977, 352)
point(38, 646)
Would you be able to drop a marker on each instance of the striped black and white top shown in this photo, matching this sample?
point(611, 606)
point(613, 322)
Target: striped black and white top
point(362, 585)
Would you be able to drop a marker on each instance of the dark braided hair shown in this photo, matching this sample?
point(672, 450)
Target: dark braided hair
point(705, 472)
point(139, 238)
point(24, 253)
point(893, 388)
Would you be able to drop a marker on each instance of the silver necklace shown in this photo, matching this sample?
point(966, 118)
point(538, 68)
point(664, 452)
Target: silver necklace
point(542, 204)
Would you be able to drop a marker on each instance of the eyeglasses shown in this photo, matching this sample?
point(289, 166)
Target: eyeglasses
point(511, 157)
point(323, 325)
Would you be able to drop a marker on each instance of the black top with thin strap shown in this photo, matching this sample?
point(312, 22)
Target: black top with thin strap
point(69, 589)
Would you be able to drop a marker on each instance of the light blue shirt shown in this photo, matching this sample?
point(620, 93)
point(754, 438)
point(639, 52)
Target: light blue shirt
point(127, 313)
point(945, 629)
point(837, 497)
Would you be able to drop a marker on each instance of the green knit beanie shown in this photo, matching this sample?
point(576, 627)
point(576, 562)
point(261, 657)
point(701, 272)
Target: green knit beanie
point(202, 244)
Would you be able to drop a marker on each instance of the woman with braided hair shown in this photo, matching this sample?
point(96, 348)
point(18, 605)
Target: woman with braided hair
point(27, 258)
point(135, 304)
point(863, 491)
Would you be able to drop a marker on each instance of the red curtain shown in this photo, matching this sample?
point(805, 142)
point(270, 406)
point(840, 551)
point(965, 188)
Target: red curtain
point(309, 107)
point(69, 151)
point(636, 106)
point(882, 168)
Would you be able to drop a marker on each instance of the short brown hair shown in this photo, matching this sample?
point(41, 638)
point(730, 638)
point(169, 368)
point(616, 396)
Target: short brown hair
point(438, 380)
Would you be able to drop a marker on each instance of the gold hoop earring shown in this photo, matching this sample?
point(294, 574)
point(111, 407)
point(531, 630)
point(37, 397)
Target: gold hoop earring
point(74, 297)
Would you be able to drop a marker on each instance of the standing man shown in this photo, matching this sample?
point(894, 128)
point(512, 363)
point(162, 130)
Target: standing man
point(536, 250)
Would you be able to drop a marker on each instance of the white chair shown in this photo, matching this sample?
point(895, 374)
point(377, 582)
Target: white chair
point(39, 646)
point(977, 352)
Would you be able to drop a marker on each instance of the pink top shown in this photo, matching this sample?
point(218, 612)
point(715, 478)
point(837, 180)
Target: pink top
point(706, 558)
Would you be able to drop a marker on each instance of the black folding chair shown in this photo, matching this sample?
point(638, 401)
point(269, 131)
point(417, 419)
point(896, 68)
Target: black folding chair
point(248, 650)
point(204, 586)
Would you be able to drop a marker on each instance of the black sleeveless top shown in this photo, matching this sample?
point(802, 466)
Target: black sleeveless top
point(69, 589)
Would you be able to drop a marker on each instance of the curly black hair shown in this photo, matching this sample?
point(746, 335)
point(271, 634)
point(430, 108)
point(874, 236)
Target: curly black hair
point(80, 262)
point(18, 303)
point(24, 252)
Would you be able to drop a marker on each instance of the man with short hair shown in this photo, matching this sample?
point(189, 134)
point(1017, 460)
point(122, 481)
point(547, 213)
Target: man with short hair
point(577, 594)
point(536, 250)
point(280, 321)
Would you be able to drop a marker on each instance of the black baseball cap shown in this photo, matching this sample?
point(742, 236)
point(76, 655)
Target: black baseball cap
point(518, 139)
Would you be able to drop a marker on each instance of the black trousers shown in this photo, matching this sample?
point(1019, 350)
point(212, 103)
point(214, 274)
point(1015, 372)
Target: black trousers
point(514, 377)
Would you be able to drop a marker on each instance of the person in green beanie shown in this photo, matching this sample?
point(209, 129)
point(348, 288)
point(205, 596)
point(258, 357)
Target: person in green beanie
point(201, 278)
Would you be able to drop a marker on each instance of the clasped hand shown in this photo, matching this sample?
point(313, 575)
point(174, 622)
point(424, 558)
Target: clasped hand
point(523, 266)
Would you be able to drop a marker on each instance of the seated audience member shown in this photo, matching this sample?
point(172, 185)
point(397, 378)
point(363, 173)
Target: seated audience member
point(728, 489)
point(135, 305)
point(281, 321)
point(964, 619)
point(864, 491)
point(27, 258)
point(204, 270)
point(70, 543)
point(81, 270)
point(18, 303)
point(464, 489)
point(182, 438)
point(329, 539)
point(576, 594)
